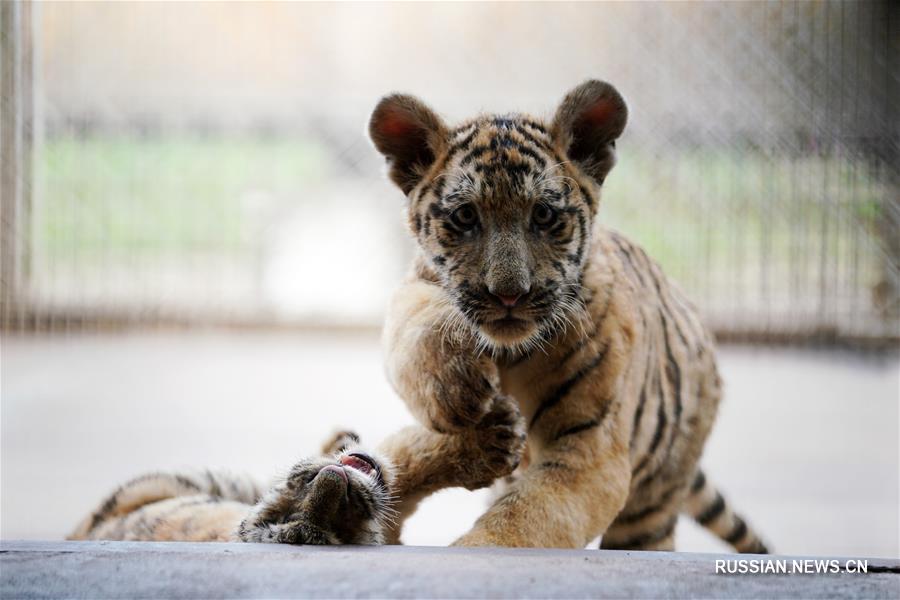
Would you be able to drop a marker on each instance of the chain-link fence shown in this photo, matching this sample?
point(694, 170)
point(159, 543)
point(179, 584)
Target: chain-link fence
point(206, 162)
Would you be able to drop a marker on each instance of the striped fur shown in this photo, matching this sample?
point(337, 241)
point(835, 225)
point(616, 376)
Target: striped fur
point(190, 506)
point(518, 291)
point(707, 506)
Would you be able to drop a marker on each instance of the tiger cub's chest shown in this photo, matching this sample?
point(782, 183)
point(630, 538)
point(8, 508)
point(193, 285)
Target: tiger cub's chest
point(529, 382)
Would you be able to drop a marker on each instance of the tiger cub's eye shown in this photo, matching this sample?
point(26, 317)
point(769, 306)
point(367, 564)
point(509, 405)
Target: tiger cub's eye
point(543, 215)
point(465, 217)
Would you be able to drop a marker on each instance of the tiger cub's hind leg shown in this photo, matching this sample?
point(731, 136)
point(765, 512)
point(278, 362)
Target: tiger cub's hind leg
point(152, 488)
point(649, 527)
point(653, 527)
point(197, 518)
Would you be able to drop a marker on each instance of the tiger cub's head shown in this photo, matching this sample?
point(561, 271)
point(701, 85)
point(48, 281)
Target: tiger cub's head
point(502, 206)
point(341, 498)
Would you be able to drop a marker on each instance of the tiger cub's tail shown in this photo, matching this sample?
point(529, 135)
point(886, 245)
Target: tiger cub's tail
point(707, 506)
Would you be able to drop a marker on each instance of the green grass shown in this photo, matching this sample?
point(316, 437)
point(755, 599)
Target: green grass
point(126, 196)
point(718, 210)
point(694, 211)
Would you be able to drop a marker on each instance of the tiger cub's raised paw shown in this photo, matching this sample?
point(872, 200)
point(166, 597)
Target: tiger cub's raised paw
point(500, 438)
point(340, 441)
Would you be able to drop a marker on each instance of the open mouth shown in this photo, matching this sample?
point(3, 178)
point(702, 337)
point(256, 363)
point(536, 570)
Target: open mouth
point(363, 463)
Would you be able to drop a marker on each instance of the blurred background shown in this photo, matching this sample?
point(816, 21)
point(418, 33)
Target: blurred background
point(198, 241)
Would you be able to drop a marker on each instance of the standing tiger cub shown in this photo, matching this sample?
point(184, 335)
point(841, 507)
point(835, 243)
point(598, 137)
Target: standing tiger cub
point(517, 292)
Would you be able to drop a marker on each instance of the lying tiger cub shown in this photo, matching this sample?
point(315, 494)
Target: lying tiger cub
point(345, 496)
point(339, 498)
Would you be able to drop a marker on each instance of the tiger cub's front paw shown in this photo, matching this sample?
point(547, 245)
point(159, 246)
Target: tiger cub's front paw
point(461, 394)
point(340, 441)
point(500, 438)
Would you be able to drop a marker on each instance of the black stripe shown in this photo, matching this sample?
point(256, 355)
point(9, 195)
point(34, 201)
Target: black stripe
point(184, 481)
point(423, 191)
point(638, 516)
point(642, 540)
point(699, 482)
point(582, 237)
point(439, 182)
point(559, 268)
point(214, 488)
point(507, 167)
point(737, 532)
point(558, 229)
point(640, 258)
point(459, 146)
point(639, 412)
point(561, 392)
point(759, 548)
point(673, 374)
point(650, 510)
point(464, 126)
point(542, 144)
point(580, 344)
point(533, 124)
point(554, 464)
point(628, 259)
point(605, 405)
point(713, 511)
point(587, 195)
point(642, 397)
point(668, 308)
point(576, 429)
point(437, 210)
point(104, 511)
point(678, 303)
point(661, 422)
point(165, 515)
point(474, 153)
point(111, 503)
point(537, 158)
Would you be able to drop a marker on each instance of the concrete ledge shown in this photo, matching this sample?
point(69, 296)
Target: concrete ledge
point(182, 570)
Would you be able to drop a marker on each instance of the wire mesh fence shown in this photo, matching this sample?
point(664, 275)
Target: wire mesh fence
point(205, 162)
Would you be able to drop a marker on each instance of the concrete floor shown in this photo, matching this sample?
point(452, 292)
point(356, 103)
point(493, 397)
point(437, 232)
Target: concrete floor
point(807, 443)
point(182, 570)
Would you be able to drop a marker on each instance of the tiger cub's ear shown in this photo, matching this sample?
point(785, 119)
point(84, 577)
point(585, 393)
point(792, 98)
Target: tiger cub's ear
point(587, 123)
point(409, 134)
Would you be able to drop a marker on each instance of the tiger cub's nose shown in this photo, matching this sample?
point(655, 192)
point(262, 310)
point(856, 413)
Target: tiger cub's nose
point(511, 295)
point(508, 301)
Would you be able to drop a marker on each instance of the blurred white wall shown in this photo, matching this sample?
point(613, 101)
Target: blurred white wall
point(707, 66)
